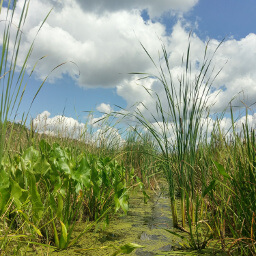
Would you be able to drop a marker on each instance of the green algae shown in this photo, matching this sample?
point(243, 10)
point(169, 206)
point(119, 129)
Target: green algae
point(144, 225)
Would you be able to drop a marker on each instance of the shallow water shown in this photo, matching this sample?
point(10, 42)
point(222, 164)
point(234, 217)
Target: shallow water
point(144, 224)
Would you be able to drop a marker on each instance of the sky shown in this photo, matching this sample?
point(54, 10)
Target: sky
point(100, 42)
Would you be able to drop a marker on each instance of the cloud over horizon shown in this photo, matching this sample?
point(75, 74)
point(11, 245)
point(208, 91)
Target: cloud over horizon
point(103, 37)
point(68, 127)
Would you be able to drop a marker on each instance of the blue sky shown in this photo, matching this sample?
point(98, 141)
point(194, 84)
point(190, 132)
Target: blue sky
point(102, 38)
point(230, 18)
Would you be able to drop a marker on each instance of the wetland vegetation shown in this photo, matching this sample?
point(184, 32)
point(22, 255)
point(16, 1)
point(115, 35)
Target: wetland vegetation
point(173, 189)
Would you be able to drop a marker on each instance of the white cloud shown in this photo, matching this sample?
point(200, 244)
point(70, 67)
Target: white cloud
point(62, 126)
point(108, 137)
point(59, 126)
point(105, 47)
point(102, 38)
point(105, 135)
point(105, 108)
point(250, 120)
point(236, 80)
point(155, 8)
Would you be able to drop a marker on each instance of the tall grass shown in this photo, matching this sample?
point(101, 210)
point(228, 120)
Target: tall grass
point(138, 152)
point(233, 196)
point(178, 123)
point(11, 89)
point(12, 78)
point(213, 174)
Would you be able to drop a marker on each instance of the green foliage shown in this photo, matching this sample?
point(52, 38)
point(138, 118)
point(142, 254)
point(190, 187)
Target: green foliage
point(127, 249)
point(46, 189)
point(214, 179)
point(12, 89)
point(51, 189)
point(177, 122)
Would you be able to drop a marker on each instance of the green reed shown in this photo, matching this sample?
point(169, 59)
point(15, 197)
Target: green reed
point(13, 82)
point(187, 105)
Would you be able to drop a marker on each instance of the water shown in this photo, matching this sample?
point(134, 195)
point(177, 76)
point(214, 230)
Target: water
point(144, 224)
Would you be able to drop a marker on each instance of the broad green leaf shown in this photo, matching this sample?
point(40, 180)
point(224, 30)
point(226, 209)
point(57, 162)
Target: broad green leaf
point(209, 188)
point(37, 205)
point(78, 187)
point(120, 188)
point(221, 170)
point(4, 180)
point(83, 173)
point(31, 155)
point(4, 198)
point(44, 146)
point(41, 166)
point(127, 248)
point(4, 190)
point(121, 202)
point(16, 193)
point(58, 151)
point(64, 236)
point(124, 203)
point(64, 167)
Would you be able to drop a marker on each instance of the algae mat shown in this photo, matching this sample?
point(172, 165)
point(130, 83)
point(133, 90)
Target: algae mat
point(144, 225)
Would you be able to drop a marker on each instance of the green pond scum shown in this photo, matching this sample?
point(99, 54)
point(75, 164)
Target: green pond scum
point(143, 225)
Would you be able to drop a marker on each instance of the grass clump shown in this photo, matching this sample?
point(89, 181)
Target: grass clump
point(179, 120)
point(212, 174)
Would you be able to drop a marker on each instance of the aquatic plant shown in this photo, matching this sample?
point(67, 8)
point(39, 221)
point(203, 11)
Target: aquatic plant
point(181, 116)
point(12, 79)
point(50, 190)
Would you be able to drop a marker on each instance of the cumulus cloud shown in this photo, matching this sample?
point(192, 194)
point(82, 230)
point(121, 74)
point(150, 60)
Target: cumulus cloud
point(105, 47)
point(109, 137)
point(235, 58)
point(105, 108)
point(59, 126)
point(250, 120)
point(102, 38)
point(62, 126)
point(105, 135)
point(155, 8)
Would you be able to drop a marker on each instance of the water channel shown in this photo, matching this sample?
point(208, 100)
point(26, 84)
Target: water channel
point(144, 224)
